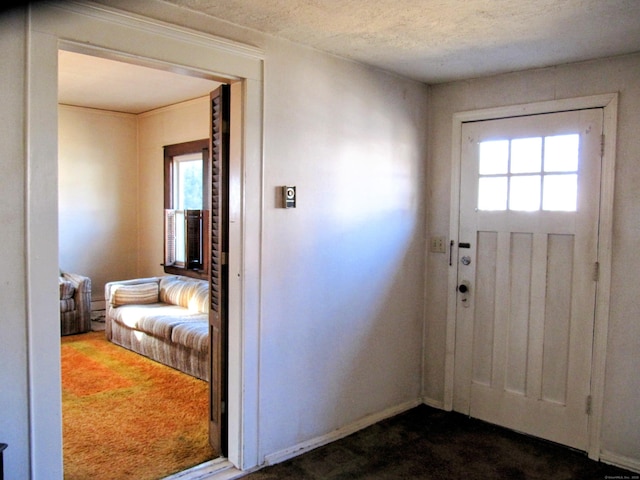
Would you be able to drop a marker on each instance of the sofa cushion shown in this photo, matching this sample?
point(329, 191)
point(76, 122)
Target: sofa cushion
point(157, 319)
point(135, 294)
point(194, 335)
point(199, 302)
point(185, 292)
point(66, 289)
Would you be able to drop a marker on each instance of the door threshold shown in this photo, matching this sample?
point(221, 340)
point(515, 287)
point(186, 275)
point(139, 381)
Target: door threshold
point(217, 469)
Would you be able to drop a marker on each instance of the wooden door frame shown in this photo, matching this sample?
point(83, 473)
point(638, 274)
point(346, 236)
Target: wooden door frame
point(609, 103)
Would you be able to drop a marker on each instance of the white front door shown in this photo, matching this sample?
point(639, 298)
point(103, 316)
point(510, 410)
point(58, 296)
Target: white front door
point(527, 272)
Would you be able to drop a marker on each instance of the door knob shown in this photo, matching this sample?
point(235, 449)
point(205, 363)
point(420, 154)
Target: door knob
point(463, 288)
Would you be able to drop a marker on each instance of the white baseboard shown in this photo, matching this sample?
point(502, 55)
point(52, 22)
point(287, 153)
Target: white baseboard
point(433, 403)
point(342, 432)
point(621, 461)
point(98, 305)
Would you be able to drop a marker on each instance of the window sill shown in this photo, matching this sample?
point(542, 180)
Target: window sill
point(173, 270)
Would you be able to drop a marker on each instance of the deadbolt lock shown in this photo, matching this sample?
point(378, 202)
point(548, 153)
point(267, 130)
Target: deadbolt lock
point(464, 288)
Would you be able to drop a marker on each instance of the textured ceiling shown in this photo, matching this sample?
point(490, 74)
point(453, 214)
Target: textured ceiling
point(428, 40)
point(442, 40)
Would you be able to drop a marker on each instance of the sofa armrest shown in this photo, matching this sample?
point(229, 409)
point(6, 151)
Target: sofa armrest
point(82, 297)
point(80, 282)
point(108, 288)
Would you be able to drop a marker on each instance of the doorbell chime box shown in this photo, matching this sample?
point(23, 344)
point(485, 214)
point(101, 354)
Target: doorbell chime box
point(289, 197)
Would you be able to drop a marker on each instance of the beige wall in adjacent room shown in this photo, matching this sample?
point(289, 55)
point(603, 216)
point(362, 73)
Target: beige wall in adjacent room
point(621, 422)
point(178, 123)
point(111, 186)
point(97, 195)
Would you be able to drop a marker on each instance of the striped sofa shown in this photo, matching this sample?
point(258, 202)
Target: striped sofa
point(75, 303)
point(164, 318)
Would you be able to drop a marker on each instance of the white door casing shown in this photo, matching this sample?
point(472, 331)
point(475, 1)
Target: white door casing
point(100, 30)
point(524, 329)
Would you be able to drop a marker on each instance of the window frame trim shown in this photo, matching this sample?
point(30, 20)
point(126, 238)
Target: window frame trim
point(176, 150)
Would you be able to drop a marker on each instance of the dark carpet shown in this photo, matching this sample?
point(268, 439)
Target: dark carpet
point(426, 443)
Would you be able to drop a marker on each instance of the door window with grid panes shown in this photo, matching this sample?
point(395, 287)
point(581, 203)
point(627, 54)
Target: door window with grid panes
point(529, 174)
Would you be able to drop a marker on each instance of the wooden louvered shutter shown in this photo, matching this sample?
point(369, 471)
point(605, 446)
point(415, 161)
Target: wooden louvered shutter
point(193, 220)
point(219, 152)
point(169, 237)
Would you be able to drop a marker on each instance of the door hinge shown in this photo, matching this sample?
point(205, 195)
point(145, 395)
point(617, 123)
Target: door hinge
point(596, 271)
point(602, 145)
point(223, 258)
point(223, 407)
point(588, 405)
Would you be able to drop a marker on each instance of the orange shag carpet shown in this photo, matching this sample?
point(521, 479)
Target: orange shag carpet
point(128, 417)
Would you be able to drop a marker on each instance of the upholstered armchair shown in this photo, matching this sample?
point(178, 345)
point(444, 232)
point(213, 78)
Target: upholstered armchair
point(75, 303)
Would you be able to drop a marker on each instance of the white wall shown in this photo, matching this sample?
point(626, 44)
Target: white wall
point(621, 423)
point(14, 378)
point(343, 271)
point(339, 315)
point(98, 195)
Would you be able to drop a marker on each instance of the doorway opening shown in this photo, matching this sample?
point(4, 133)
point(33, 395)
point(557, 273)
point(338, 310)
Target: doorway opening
point(108, 184)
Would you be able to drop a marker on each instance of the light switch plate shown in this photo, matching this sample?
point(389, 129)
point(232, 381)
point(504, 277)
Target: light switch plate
point(438, 245)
